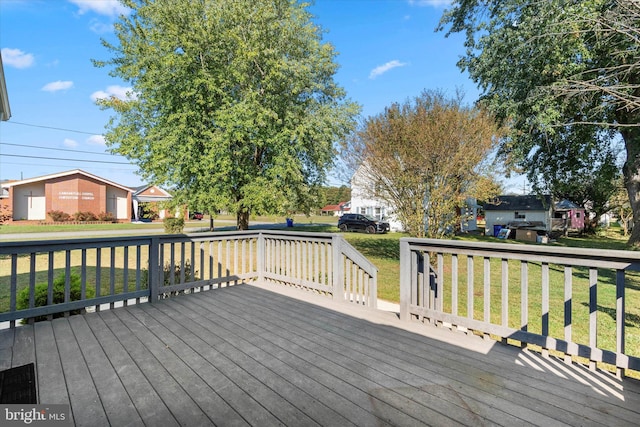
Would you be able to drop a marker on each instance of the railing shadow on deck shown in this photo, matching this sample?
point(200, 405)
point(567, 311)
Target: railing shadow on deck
point(127, 270)
point(569, 301)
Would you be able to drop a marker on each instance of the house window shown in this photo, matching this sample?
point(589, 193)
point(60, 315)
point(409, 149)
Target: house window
point(363, 211)
point(519, 215)
point(578, 215)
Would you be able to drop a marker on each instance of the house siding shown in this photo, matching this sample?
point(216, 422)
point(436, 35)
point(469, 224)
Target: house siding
point(493, 217)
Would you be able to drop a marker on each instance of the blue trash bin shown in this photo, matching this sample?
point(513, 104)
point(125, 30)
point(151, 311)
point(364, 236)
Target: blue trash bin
point(496, 230)
point(289, 222)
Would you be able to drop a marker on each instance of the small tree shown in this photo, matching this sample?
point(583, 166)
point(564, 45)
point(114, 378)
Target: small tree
point(424, 158)
point(5, 214)
point(620, 207)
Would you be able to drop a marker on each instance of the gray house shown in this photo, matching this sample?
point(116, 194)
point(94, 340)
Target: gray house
point(532, 211)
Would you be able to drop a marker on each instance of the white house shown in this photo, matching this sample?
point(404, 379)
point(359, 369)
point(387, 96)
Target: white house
point(363, 203)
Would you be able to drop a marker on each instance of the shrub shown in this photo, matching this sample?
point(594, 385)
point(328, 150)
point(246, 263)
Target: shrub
point(41, 291)
point(59, 216)
point(176, 273)
point(84, 216)
point(148, 210)
point(173, 225)
point(167, 272)
point(106, 216)
point(5, 214)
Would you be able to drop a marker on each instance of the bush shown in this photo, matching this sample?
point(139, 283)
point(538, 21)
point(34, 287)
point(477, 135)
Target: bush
point(167, 272)
point(41, 291)
point(106, 216)
point(173, 225)
point(149, 210)
point(84, 216)
point(59, 216)
point(5, 214)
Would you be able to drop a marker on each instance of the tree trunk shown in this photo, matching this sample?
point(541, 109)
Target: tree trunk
point(631, 171)
point(242, 219)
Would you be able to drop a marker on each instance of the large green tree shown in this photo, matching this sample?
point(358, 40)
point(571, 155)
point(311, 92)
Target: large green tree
point(565, 75)
point(233, 102)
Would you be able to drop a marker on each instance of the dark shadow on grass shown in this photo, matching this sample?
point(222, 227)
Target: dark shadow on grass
point(378, 248)
point(630, 320)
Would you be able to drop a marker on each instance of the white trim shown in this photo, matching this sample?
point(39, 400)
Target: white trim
point(145, 188)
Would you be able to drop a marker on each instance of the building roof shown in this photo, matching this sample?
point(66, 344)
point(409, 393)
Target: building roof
point(5, 110)
point(566, 205)
point(519, 203)
point(339, 207)
point(147, 193)
point(8, 184)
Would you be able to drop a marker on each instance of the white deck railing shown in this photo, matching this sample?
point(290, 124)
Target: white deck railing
point(567, 300)
point(126, 270)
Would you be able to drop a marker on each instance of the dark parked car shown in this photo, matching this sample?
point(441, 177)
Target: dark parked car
point(197, 215)
point(358, 222)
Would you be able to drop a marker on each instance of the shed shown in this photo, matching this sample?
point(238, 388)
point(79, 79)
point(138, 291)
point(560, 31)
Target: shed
point(568, 216)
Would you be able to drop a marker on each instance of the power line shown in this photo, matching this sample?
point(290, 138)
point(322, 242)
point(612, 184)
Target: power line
point(52, 127)
point(57, 149)
point(58, 158)
point(110, 168)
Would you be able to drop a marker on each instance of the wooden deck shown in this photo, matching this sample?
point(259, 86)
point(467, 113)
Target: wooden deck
point(246, 355)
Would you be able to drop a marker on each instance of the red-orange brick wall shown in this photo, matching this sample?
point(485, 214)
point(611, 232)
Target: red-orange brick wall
point(75, 193)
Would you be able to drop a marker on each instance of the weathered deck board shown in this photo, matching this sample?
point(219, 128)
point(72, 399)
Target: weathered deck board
point(462, 372)
point(244, 355)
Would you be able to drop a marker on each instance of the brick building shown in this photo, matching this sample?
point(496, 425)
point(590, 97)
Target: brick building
point(70, 192)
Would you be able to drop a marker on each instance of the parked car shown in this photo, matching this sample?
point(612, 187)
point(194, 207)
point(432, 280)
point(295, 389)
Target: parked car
point(196, 215)
point(359, 222)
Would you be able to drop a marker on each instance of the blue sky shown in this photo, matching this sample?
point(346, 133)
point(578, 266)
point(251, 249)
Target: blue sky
point(388, 52)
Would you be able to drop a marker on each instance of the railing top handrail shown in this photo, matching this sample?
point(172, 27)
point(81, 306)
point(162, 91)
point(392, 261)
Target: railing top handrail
point(356, 256)
point(8, 247)
point(310, 234)
point(523, 249)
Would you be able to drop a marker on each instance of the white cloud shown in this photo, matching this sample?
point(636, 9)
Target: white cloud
point(102, 7)
point(120, 92)
point(100, 27)
point(96, 140)
point(381, 69)
point(56, 86)
point(434, 3)
point(71, 143)
point(17, 58)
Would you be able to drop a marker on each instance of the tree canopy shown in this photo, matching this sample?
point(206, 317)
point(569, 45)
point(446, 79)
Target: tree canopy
point(424, 158)
point(233, 103)
point(564, 75)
